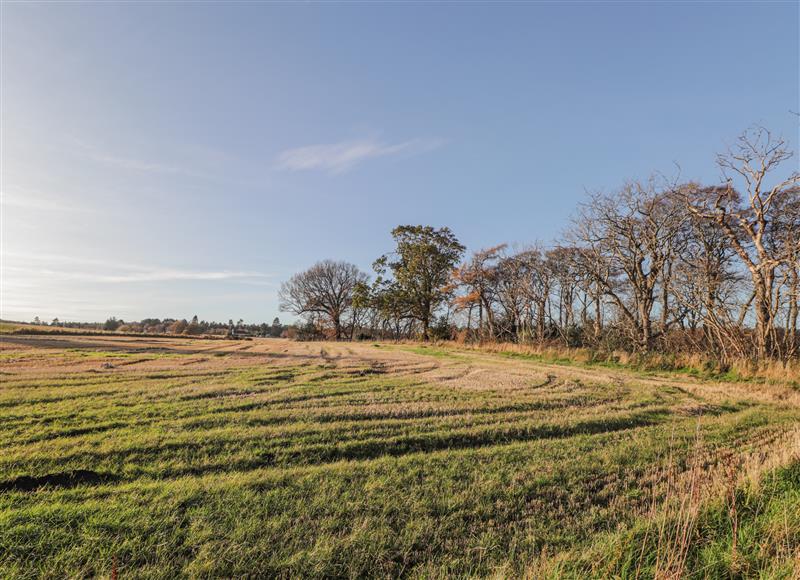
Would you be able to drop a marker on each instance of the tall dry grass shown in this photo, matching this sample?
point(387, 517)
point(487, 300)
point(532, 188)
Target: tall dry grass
point(680, 513)
point(695, 364)
point(676, 508)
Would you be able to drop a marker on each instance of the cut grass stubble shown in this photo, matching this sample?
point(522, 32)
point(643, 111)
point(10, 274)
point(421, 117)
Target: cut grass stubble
point(279, 461)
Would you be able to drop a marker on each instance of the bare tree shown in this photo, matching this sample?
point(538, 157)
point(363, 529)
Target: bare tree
point(538, 283)
point(324, 291)
point(627, 239)
point(707, 283)
point(746, 219)
point(476, 279)
point(651, 266)
point(511, 274)
point(784, 241)
point(565, 265)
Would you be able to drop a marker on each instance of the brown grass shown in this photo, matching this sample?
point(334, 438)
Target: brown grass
point(690, 363)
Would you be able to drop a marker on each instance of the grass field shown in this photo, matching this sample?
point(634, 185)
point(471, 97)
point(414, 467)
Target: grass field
point(164, 457)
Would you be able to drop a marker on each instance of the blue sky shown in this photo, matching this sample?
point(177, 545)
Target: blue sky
point(177, 159)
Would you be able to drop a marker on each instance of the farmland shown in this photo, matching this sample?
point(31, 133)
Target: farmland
point(165, 457)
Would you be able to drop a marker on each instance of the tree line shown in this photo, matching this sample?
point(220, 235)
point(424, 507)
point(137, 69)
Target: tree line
point(182, 326)
point(656, 265)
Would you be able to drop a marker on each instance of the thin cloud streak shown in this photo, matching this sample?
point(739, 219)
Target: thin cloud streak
point(337, 158)
point(136, 164)
point(28, 200)
point(101, 156)
point(68, 268)
point(174, 275)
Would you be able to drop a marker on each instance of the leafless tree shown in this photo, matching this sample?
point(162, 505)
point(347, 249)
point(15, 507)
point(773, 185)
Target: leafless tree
point(325, 291)
point(784, 240)
point(707, 284)
point(651, 266)
point(476, 279)
point(627, 239)
point(746, 218)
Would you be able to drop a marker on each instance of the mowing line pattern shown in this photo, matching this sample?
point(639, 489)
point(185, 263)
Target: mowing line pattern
point(271, 458)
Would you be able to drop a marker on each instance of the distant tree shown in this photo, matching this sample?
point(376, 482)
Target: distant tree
point(323, 291)
point(194, 327)
point(477, 280)
point(178, 326)
point(112, 324)
point(55, 322)
point(655, 266)
point(36, 320)
point(361, 305)
point(421, 266)
point(392, 310)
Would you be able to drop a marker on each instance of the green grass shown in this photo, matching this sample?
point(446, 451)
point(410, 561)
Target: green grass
point(767, 537)
point(268, 469)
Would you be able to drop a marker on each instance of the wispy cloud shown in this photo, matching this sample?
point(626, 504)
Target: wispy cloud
point(341, 157)
point(32, 200)
point(77, 288)
point(164, 275)
point(135, 164)
point(52, 266)
point(103, 156)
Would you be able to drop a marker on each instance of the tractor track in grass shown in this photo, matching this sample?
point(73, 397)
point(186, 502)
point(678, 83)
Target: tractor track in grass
point(313, 444)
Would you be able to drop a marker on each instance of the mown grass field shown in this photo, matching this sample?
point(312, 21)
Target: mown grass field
point(164, 458)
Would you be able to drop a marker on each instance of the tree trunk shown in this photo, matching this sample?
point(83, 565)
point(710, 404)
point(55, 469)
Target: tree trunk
point(762, 321)
point(598, 321)
point(794, 288)
point(540, 321)
point(646, 329)
point(337, 327)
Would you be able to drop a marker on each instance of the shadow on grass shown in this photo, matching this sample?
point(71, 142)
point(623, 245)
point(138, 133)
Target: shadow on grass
point(67, 479)
point(400, 446)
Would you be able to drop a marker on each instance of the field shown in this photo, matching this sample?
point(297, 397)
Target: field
point(165, 457)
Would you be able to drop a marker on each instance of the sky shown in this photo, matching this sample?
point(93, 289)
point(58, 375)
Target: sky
point(171, 160)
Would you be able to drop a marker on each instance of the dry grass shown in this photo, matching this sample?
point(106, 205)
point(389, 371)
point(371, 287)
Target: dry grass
point(181, 457)
point(685, 363)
